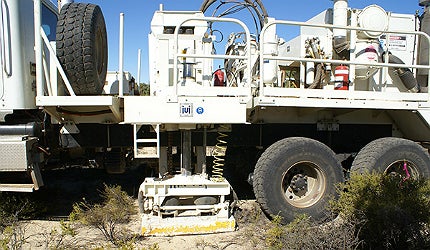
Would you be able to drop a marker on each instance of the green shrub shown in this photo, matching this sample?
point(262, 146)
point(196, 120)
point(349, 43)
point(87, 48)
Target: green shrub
point(395, 213)
point(305, 233)
point(15, 206)
point(116, 209)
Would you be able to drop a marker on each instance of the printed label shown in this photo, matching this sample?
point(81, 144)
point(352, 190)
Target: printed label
point(186, 110)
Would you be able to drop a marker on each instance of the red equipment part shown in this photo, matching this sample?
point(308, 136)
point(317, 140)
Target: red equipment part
point(341, 78)
point(219, 78)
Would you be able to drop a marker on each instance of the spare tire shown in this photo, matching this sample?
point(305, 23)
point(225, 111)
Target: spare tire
point(82, 47)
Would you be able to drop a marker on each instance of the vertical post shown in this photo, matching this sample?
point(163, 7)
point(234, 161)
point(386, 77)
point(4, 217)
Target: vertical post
point(38, 47)
point(139, 54)
point(205, 131)
point(186, 153)
point(121, 55)
point(352, 47)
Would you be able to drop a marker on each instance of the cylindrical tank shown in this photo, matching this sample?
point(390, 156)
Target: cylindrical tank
point(367, 51)
point(372, 17)
point(270, 48)
point(340, 17)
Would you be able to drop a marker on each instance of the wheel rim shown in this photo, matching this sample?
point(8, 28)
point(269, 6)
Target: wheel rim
point(403, 168)
point(303, 184)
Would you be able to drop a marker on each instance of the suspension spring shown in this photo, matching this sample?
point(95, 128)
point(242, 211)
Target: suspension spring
point(219, 154)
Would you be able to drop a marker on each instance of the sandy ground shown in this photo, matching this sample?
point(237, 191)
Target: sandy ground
point(42, 234)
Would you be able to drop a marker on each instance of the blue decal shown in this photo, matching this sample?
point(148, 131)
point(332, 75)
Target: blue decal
point(200, 110)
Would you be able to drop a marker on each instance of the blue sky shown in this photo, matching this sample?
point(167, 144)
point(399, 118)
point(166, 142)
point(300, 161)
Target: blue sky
point(138, 15)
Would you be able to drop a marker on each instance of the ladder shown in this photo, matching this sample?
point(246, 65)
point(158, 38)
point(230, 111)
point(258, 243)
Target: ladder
point(146, 146)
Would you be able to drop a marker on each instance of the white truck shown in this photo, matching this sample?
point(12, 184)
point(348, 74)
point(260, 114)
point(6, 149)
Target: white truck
point(292, 118)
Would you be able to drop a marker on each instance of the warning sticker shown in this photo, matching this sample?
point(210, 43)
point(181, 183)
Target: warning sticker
point(395, 42)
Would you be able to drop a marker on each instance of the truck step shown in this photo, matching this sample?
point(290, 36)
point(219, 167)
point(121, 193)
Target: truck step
point(28, 188)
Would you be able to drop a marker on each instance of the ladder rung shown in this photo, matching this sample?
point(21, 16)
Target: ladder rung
point(146, 140)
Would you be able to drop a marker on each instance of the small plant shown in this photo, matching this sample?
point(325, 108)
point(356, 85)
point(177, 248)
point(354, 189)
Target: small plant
point(13, 236)
point(116, 209)
point(13, 207)
point(58, 239)
point(275, 234)
point(395, 212)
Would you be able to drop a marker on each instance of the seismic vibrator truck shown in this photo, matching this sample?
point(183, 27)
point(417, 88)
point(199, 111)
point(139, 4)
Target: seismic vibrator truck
point(232, 107)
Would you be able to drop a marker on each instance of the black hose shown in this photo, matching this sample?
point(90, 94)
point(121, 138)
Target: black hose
point(405, 74)
point(319, 75)
point(205, 5)
point(257, 5)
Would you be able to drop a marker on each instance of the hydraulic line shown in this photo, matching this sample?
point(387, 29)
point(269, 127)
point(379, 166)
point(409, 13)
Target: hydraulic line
point(219, 153)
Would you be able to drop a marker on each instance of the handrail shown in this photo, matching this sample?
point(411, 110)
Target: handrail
point(177, 54)
point(40, 39)
point(329, 26)
point(7, 64)
point(57, 63)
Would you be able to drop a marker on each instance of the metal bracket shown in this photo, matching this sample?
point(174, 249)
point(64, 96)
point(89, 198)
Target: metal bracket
point(69, 128)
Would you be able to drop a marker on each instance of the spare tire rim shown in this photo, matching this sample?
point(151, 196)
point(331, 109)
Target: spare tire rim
point(403, 168)
point(303, 184)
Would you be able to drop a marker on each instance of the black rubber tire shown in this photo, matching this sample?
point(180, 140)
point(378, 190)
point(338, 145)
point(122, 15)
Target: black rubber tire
point(381, 155)
point(82, 47)
point(276, 164)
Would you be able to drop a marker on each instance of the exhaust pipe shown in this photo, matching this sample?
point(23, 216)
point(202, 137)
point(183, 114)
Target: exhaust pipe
point(340, 18)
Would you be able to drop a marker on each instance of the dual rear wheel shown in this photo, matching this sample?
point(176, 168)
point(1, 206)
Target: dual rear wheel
point(299, 175)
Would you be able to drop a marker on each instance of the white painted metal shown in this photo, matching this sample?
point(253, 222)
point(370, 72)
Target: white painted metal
point(373, 17)
point(56, 65)
point(38, 46)
point(26, 188)
point(157, 191)
point(111, 85)
point(352, 63)
point(121, 54)
point(64, 2)
point(139, 60)
point(178, 54)
point(184, 110)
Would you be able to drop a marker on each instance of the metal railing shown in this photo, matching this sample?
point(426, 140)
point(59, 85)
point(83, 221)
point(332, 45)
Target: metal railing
point(245, 90)
point(41, 42)
point(302, 60)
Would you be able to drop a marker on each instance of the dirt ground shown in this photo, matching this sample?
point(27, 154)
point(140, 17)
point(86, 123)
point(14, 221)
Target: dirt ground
point(66, 187)
point(44, 234)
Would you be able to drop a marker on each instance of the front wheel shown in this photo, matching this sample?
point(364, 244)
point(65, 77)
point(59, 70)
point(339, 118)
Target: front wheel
point(296, 176)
